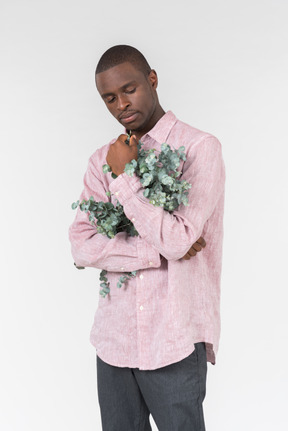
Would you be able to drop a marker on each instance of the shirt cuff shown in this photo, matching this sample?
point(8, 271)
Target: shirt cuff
point(124, 186)
point(148, 255)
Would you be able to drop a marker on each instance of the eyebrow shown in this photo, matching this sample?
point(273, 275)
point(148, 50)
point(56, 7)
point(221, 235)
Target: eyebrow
point(121, 88)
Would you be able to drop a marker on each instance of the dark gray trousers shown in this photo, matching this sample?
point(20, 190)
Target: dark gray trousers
point(172, 394)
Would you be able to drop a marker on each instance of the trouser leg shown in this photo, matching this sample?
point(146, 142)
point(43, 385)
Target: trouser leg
point(122, 405)
point(174, 394)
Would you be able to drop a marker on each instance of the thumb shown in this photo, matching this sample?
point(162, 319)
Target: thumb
point(133, 141)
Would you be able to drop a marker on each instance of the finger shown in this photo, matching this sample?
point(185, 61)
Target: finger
point(132, 141)
point(201, 241)
point(192, 252)
point(197, 247)
point(186, 257)
point(122, 138)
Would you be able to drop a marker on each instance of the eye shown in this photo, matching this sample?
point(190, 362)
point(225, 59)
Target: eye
point(130, 91)
point(110, 99)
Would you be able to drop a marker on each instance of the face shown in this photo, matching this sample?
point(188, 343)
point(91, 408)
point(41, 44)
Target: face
point(130, 96)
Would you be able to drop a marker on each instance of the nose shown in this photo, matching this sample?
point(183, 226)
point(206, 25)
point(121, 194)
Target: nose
point(123, 103)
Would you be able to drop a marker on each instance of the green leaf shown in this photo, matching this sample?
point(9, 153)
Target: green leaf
point(103, 279)
point(75, 205)
point(106, 168)
point(79, 267)
point(127, 140)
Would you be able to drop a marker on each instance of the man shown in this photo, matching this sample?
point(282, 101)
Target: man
point(155, 335)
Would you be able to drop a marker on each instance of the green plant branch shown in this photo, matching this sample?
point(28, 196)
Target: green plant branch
point(159, 177)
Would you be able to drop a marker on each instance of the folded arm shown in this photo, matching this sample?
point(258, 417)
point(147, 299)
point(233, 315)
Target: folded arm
point(172, 234)
point(89, 248)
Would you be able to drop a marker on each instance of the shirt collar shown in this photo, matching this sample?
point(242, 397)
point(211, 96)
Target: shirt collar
point(162, 128)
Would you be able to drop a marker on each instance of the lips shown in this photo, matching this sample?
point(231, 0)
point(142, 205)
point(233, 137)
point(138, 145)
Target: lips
point(128, 117)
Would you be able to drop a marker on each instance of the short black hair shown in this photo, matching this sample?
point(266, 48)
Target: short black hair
point(119, 54)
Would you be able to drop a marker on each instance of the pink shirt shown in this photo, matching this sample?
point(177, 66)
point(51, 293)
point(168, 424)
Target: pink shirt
point(155, 318)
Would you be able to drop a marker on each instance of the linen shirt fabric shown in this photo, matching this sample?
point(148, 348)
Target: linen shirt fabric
point(155, 318)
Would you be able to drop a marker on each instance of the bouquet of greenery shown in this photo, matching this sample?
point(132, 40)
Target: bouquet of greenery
point(159, 177)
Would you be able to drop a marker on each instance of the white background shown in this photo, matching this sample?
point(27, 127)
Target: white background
point(222, 67)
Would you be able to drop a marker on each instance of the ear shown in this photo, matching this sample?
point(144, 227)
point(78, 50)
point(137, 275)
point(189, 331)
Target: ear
point(153, 79)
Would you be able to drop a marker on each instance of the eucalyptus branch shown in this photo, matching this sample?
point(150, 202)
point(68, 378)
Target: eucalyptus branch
point(159, 176)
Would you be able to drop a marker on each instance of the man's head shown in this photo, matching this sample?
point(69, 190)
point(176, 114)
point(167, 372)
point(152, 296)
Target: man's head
point(120, 54)
point(128, 85)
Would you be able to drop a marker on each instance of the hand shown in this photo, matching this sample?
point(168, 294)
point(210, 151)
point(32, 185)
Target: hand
point(196, 247)
point(120, 153)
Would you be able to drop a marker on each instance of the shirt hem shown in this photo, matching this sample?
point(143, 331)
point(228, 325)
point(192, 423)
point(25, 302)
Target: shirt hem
point(163, 364)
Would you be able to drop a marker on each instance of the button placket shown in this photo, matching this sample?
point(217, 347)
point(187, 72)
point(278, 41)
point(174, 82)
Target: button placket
point(140, 299)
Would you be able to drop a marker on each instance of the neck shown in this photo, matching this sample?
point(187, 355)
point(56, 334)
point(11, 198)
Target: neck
point(157, 114)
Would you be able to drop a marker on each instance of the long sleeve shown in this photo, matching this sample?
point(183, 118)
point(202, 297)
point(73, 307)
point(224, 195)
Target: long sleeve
point(172, 234)
point(157, 317)
point(89, 248)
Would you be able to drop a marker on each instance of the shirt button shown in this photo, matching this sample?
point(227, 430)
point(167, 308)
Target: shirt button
point(141, 276)
point(122, 269)
point(116, 193)
point(133, 219)
point(150, 263)
point(141, 307)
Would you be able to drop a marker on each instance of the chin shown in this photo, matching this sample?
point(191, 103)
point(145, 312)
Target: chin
point(131, 126)
point(138, 127)
point(134, 127)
